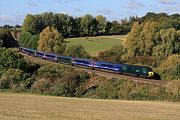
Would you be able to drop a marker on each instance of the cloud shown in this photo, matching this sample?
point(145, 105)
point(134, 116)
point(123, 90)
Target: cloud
point(4, 19)
point(78, 10)
point(134, 4)
point(32, 4)
point(104, 11)
point(167, 2)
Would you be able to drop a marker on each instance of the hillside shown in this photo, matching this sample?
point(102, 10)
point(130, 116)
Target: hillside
point(34, 107)
point(93, 45)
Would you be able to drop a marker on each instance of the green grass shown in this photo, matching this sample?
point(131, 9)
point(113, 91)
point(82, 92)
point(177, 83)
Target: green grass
point(93, 45)
point(36, 107)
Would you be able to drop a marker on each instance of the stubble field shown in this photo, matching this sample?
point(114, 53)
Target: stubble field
point(35, 107)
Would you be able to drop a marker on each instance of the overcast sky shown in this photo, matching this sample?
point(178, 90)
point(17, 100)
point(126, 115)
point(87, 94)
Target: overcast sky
point(14, 11)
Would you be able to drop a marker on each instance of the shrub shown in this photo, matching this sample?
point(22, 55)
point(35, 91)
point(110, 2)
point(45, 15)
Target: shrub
point(129, 90)
point(42, 86)
point(10, 59)
point(173, 90)
point(12, 78)
point(170, 69)
point(77, 51)
point(115, 55)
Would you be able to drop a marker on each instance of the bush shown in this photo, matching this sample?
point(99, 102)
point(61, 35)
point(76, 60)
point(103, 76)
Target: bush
point(173, 90)
point(59, 80)
point(129, 90)
point(53, 72)
point(12, 78)
point(10, 59)
point(170, 69)
point(42, 86)
point(115, 55)
point(76, 51)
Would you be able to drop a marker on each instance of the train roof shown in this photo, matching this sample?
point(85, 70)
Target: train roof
point(107, 63)
point(137, 65)
point(51, 54)
point(64, 56)
point(83, 59)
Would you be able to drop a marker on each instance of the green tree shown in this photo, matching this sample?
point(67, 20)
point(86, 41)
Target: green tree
point(101, 24)
point(77, 51)
point(10, 59)
point(131, 44)
point(50, 40)
point(168, 43)
point(26, 39)
point(114, 55)
point(88, 25)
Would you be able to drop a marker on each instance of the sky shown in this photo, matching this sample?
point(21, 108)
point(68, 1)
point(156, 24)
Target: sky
point(13, 12)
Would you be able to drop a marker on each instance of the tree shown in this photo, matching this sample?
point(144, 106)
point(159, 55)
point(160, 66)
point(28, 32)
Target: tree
point(50, 40)
point(114, 55)
point(76, 51)
point(88, 25)
point(9, 59)
point(132, 41)
point(101, 24)
point(8, 40)
point(26, 39)
point(169, 42)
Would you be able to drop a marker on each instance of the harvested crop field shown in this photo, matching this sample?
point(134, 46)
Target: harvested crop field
point(36, 107)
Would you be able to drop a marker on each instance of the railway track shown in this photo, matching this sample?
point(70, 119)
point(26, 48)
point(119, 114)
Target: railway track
point(101, 73)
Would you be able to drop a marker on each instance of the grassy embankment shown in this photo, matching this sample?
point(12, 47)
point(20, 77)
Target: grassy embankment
point(34, 107)
point(95, 44)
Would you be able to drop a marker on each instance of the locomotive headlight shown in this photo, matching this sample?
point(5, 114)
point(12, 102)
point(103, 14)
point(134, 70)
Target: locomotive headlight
point(150, 74)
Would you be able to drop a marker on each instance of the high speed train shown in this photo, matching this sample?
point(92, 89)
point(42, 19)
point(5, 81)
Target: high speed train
point(132, 70)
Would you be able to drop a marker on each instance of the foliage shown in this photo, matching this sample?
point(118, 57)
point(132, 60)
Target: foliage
point(152, 61)
point(56, 80)
point(149, 39)
point(127, 89)
point(101, 24)
point(26, 39)
point(10, 59)
point(76, 51)
point(173, 90)
point(170, 69)
point(86, 25)
point(12, 78)
point(50, 40)
point(6, 39)
point(114, 55)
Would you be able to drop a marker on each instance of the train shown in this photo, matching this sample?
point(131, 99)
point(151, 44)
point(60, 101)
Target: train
point(120, 68)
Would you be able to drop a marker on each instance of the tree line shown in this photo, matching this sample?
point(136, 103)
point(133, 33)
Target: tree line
point(69, 26)
point(154, 37)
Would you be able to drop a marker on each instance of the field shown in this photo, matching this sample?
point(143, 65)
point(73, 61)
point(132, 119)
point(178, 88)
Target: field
point(34, 107)
point(95, 44)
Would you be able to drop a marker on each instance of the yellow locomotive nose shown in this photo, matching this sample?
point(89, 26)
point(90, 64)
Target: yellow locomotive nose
point(150, 74)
